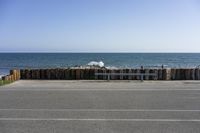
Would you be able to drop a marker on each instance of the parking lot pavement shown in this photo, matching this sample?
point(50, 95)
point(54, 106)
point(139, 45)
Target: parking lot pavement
point(100, 106)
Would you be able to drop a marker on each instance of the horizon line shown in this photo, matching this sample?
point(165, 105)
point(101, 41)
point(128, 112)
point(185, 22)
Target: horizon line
point(90, 52)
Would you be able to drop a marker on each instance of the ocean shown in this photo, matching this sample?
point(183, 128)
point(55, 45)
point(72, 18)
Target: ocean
point(117, 60)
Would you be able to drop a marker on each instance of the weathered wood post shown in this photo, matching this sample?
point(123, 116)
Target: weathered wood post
point(192, 74)
point(104, 77)
point(146, 71)
point(78, 74)
point(92, 74)
point(151, 71)
point(166, 74)
point(197, 74)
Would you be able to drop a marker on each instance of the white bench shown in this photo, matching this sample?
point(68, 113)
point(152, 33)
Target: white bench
point(127, 74)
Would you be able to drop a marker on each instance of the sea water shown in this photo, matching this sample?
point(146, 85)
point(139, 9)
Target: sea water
point(117, 60)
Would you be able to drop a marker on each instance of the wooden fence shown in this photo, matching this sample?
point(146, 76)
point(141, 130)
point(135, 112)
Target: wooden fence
point(89, 74)
point(13, 76)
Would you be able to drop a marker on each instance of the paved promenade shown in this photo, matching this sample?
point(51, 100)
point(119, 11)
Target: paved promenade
point(100, 107)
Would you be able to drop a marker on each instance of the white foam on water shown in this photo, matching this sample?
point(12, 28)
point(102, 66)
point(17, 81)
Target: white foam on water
point(95, 63)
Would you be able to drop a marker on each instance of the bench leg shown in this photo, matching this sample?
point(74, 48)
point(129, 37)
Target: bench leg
point(108, 77)
point(142, 77)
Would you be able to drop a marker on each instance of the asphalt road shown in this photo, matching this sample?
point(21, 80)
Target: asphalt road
point(100, 107)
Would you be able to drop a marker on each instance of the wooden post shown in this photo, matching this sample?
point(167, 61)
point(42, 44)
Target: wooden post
point(129, 71)
point(138, 77)
point(197, 74)
point(147, 71)
point(112, 77)
point(52, 74)
point(173, 74)
point(42, 74)
point(66, 74)
point(87, 73)
point(91, 73)
point(187, 75)
point(156, 72)
point(167, 74)
point(121, 72)
point(21, 73)
point(182, 74)
point(104, 77)
point(150, 72)
point(27, 76)
point(78, 74)
point(72, 73)
point(192, 73)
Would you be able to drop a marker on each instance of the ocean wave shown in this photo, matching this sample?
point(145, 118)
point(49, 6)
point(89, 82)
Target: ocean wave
point(96, 64)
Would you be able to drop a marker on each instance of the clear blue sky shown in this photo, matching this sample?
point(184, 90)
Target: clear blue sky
point(99, 25)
